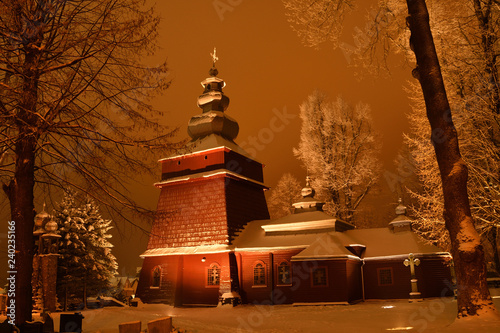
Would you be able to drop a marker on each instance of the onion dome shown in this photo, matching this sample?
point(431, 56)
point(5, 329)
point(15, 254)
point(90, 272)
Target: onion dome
point(51, 226)
point(308, 203)
point(308, 191)
point(401, 222)
point(213, 102)
point(41, 218)
point(400, 209)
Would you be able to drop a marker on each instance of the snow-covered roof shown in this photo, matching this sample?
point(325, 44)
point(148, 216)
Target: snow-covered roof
point(326, 246)
point(208, 174)
point(210, 142)
point(315, 233)
point(202, 249)
point(383, 242)
point(253, 237)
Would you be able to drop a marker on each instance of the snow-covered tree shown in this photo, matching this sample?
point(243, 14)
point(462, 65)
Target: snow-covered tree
point(339, 148)
point(466, 248)
point(281, 198)
point(467, 43)
point(86, 263)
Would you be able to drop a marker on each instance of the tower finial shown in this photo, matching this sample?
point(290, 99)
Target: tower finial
point(308, 191)
point(214, 57)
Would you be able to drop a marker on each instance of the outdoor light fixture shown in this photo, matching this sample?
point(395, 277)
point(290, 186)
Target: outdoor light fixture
point(203, 259)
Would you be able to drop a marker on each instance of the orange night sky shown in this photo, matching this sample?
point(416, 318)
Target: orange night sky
point(268, 73)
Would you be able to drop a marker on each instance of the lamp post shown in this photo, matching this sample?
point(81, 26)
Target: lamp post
point(412, 262)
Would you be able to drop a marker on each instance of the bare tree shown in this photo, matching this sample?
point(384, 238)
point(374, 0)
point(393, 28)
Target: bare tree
point(339, 149)
point(74, 107)
point(281, 198)
point(466, 248)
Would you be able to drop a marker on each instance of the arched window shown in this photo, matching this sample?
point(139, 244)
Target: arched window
point(156, 277)
point(259, 274)
point(213, 276)
point(284, 274)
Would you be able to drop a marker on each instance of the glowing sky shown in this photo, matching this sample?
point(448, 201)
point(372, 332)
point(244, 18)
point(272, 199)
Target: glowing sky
point(268, 73)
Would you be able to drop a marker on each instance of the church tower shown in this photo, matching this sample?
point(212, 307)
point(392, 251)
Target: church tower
point(208, 193)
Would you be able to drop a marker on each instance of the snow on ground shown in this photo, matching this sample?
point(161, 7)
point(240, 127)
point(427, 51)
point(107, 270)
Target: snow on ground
point(431, 315)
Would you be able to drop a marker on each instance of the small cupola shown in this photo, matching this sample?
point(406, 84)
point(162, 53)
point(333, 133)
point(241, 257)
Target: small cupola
point(308, 203)
point(213, 103)
point(401, 222)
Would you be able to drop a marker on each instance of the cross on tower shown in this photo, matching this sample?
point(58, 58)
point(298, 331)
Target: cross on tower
point(214, 56)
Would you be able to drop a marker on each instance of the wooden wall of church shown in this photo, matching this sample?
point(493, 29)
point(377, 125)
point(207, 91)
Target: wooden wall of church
point(399, 286)
point(433, 277)
point(195, 288)
point(171, 269)
point(272, 292)
point(336, 288)
point(354, 280)
point(184, 279)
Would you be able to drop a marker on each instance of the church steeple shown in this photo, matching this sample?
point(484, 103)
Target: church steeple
point(401, 222)
point(308, 203)
point(213, 102)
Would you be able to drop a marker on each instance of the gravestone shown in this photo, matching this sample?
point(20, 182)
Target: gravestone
point(130, 327)
point(48, 323)
point(70, 323)
point(162, 325)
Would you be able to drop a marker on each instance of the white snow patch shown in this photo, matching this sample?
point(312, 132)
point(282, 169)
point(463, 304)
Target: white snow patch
point(429, 316)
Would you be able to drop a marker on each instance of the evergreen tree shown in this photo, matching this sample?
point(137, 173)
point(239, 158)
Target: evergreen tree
point(85, 263)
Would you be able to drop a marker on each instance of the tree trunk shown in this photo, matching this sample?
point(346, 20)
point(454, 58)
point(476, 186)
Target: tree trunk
point(20, 194)
point(466, 248)
point(20, 189)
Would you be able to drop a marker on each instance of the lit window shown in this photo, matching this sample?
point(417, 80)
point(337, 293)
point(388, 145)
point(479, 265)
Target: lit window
point(284, 274)
point(259, 274)
point(156, 277)
point(213, 276)
point(384, 276)
point(319, 277)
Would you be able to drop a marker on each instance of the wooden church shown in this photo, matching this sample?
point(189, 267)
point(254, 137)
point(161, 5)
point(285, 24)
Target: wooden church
point(212, 241)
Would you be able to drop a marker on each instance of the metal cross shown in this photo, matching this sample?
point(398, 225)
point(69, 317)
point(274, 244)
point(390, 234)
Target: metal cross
point(214, 56)
point(412, 262)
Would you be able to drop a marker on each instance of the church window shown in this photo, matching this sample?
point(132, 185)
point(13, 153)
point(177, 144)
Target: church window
point(213, 276)
point(385, 276)
point(284, 274)
point(155, 283)
point(319, 277)
point(259, 274)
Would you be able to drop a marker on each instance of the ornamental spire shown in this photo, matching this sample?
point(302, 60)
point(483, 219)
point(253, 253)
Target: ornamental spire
point(308, 191)
point(213, 71)
point(213, 102)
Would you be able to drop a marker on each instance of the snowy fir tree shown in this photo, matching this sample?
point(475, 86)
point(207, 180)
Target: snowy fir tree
point(86, 263)
point(339, 148)
point(281, 198)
